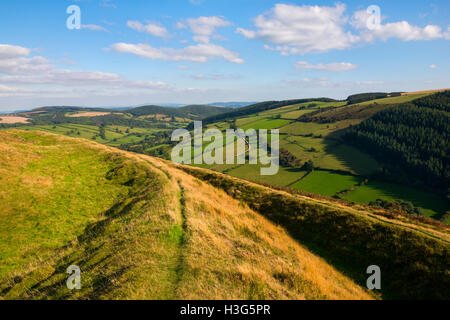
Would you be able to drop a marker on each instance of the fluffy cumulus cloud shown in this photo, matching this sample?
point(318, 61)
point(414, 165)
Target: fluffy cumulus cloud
point(198, 53)
point(302, 29)
point(402, 30)
point(330, 67)
point(8, 51)
point(203, 27)
point(151, 28)
point(292, 29)
point(17, 67)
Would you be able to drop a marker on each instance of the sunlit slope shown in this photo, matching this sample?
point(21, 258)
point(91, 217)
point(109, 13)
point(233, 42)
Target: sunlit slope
point(139, 228)
point(414, 258)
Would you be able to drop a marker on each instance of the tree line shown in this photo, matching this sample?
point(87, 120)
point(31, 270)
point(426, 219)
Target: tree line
point(411, 141)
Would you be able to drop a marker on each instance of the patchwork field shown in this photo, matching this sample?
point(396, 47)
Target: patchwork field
point(400, 99)
point(114, 135)
point(88, 114)
point(326, 183)
point(432, 204)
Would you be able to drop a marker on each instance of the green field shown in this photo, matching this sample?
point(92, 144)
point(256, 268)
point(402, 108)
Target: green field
point(115, 135)
point(316, 129)
point(266, 124)
point(326, 183)
point(432, 204)
point(285, 176)
point(395, 100)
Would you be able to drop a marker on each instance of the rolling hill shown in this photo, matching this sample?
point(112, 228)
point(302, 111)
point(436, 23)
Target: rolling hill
point(196, 112)
point(143, 228)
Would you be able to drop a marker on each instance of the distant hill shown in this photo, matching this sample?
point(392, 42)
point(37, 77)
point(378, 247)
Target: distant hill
point(259, 107)
point(192, 112)
point(232, 105)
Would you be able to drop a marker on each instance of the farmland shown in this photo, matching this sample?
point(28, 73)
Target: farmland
point(326, 183)
point(318, 139)
point(114, 135)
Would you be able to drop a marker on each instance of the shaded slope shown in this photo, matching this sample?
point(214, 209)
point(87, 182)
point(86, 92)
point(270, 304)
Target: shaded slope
point(162, 235)
point(414, 260)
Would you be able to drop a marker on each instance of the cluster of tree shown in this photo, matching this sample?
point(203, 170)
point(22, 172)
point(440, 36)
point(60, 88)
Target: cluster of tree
point(260, 107)
point(287, 159)
point(440, 101)
point(358, 98)
point(110, 119)
point(398, 205)
point(158, 145)
point(362, 97)
point(412, 142)
point(195, 112)
point(333, 114)
point(315, 115)
point(73, 132)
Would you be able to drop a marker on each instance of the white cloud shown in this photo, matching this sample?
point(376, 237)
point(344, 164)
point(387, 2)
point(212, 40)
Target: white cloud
point(93, 27)
point(18, 68)
point(433, 66)
point(331, 67)
point(150, 28)
point(402, 30)
point(197, 53)
point(292, 29)
point(203, 27)
point(206, 25)
point(302, 29)
point(23, 65)
point(215, 76)
point(7, 89)
point(9, 51)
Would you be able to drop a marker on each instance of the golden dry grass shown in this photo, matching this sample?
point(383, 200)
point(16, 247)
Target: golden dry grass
point(422, 92)
point(13, 119)
point(232, 252)
point(179, 239)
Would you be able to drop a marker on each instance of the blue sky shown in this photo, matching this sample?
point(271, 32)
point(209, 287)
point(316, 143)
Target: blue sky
point(131, 52)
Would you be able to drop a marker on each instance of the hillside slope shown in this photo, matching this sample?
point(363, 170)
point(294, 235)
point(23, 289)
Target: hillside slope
point(139, 228)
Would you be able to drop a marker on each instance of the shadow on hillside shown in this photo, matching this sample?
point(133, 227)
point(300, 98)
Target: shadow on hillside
point(357, 162)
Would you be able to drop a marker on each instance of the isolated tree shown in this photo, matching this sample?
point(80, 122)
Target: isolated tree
point(308, 166)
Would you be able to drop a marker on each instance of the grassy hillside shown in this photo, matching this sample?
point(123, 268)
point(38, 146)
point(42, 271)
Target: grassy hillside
point(139, 228)
point(415, 260)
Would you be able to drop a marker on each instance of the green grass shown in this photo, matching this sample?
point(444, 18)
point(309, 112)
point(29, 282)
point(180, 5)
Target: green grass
point(395, 100)
point(326, 183)
point(139, 228)
point(266, 124)
point(114, 135)
point(316, 129)
point(34, 216)
point(432, 204)
point(284, 177)
point(330, 154)
point(415, 259)
point(65, 202)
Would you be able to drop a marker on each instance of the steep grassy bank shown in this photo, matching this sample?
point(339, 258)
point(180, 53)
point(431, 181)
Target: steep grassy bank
point(414, 264)
point(154, 233)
